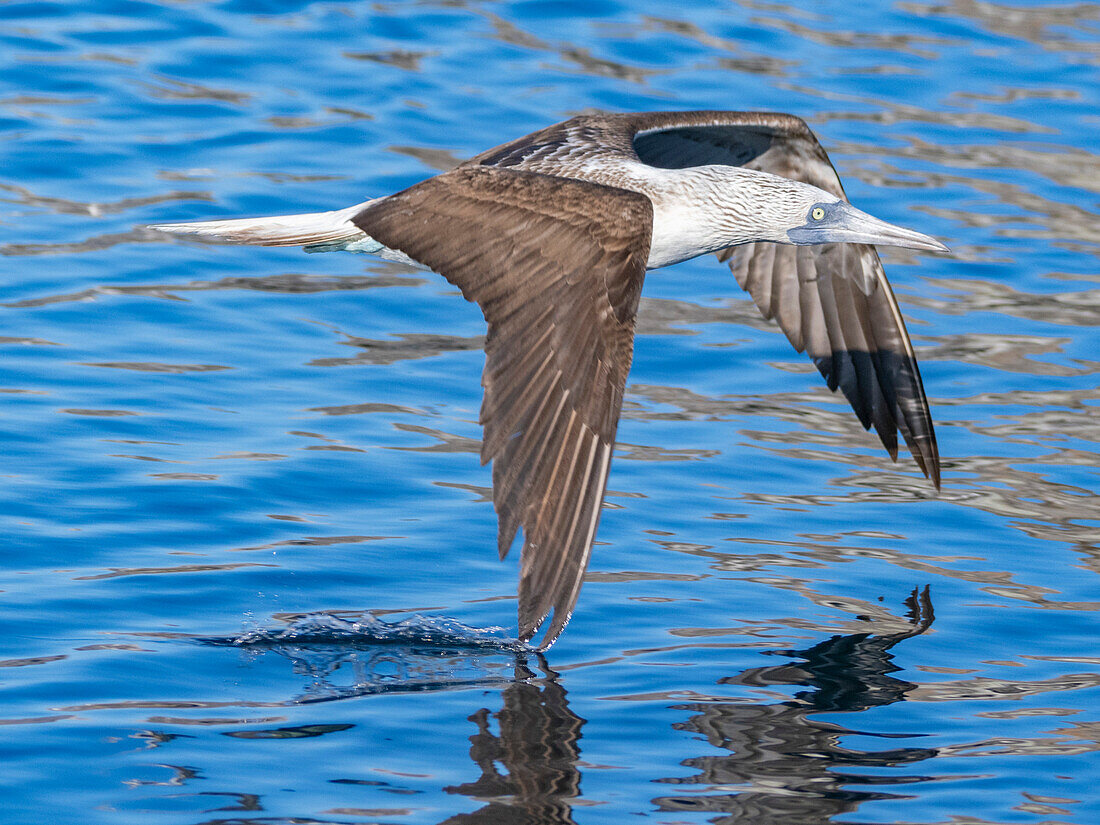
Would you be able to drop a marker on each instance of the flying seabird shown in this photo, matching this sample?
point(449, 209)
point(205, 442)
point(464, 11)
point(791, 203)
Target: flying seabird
point(551, 235)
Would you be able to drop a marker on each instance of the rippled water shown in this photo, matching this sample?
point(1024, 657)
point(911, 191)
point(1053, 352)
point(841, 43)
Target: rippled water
point(243, 511)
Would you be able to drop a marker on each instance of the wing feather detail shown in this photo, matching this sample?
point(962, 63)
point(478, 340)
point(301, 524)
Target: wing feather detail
point(556, 266)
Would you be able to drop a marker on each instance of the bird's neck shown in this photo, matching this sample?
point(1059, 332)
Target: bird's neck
point(705, 209)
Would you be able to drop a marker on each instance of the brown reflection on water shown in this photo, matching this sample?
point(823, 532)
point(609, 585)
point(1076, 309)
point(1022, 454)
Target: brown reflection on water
point(886, 111)
point(117, 572)
point(921, 46)
point(797, 554)
point(579, 60)
point(442, 160)
point(741, 59)
point(288, 283)
point(1051, 27)
point(402, 347)
point(62, 206)
point(1012, 487)
point(401, 58)
point(507, 31)
point(1064, 165)
point(1011, 353)
point(170, 88)
point(962, 296)
point(311, 541)
point(594, 66)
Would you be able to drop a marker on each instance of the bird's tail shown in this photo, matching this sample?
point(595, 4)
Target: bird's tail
point(316, 231)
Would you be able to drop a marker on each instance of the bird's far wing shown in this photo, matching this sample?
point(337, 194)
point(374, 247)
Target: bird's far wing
point(556, 266)
point(831, 300)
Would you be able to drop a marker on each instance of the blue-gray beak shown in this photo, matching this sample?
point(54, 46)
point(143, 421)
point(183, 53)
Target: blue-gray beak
point(841, 222)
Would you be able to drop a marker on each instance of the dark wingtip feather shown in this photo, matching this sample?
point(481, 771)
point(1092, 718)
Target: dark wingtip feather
point(927, 456)
point(885, 391)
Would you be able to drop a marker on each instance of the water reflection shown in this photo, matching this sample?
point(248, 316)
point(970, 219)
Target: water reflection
point(782, 765)
point(1051, 27)
point(537, 748)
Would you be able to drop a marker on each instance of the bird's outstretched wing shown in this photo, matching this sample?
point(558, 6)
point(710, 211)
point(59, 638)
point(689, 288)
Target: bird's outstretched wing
point(832, 300)
point(556, 266)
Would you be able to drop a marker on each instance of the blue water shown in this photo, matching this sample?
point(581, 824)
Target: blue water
point(248, 566)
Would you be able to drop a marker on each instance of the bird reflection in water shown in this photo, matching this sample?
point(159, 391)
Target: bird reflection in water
point(787, 766)
point(537, 746)
point(784, 763)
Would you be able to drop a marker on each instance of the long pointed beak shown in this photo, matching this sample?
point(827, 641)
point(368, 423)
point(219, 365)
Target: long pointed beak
point(846, 224)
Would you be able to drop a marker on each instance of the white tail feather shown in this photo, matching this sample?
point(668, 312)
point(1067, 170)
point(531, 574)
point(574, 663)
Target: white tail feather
point(332, 229)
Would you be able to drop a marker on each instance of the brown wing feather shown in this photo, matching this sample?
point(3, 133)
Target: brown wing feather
point(556, 266)
point(833, 300)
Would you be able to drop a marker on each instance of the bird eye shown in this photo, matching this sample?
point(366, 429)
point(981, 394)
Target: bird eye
point(818, 213)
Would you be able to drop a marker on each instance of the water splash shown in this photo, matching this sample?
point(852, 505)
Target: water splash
point(343, 658)
point(425, 634)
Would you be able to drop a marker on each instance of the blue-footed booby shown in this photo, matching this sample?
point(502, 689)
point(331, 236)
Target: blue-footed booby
point(551, 235)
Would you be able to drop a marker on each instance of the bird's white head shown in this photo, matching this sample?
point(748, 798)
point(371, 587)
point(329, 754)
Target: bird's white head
point(708, 208)
point(788, 211)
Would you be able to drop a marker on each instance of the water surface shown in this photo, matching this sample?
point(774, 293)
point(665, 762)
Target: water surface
point(248, 571)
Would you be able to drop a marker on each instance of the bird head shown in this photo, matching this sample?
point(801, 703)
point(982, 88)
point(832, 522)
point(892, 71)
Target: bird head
point(829, 219)
point(758, 206)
